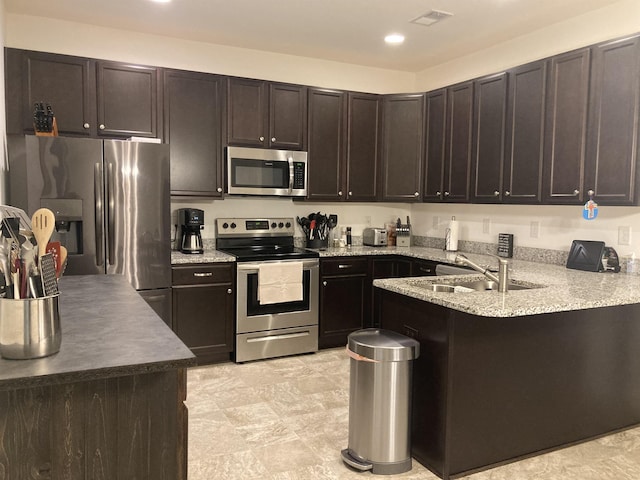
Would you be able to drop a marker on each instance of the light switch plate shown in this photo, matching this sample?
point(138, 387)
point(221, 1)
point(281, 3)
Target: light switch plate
point(486, 225)
point(624, 235)
point(534, 229)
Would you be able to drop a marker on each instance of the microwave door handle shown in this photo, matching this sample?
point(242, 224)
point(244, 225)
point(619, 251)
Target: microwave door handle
point(290, 159)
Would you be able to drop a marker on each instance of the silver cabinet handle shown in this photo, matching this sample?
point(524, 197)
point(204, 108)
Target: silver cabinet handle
point(86, 125)
point(591, 193)
point(438, 193)
point(350, 194)
point(219, 189)
point(261, 139)
point(576, 192)
point(324, 284)
point(426, 270)
point(496, 193)
point(102, 127)
point(203, 274)
point(417, 194)
point(345, 266)
point(446, 194)
point(229, 291)
point(340, 193)
point(507, 193)
point(273, 139)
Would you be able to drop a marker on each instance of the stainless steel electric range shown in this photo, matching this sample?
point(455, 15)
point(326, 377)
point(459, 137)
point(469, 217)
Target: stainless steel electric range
point(274, 328)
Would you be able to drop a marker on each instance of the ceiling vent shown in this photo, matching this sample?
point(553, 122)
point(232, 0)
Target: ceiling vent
point(431, 17)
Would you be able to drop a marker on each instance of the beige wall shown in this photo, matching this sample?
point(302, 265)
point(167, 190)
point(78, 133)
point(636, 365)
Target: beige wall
point(50, 35)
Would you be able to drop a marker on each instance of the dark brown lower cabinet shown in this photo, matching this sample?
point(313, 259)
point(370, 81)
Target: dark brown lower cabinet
point(204, 309)
point(114, 428)
point(344, 299)
point(488, 391)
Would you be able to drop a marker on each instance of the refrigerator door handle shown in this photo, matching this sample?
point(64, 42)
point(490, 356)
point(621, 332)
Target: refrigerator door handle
point(99, 212)
point(110, 214)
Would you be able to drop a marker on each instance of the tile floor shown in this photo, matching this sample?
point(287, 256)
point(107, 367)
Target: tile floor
point(287, 419)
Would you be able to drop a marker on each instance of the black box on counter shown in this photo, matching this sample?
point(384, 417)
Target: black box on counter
point(505, 245)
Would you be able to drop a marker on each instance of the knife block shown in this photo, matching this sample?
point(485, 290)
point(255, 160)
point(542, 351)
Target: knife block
point(52, 133)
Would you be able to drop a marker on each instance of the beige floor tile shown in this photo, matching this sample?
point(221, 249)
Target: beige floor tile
point(287, 419)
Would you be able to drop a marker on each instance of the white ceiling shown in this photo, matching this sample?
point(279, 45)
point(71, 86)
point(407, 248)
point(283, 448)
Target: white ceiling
point(348, 31)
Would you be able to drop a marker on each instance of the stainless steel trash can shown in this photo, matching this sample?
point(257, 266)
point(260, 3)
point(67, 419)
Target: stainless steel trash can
point(380, 401)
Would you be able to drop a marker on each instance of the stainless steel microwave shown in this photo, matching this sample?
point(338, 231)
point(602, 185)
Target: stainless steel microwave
point(259, 171)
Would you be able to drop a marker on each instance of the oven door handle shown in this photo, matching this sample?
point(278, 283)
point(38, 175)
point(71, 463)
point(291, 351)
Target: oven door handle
point(269, 338)
point(290, 160)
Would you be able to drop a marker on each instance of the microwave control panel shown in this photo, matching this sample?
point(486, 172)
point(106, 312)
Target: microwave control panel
point(298, 174)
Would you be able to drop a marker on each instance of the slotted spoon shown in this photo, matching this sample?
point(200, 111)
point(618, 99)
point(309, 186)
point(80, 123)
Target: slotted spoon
point(42, 225)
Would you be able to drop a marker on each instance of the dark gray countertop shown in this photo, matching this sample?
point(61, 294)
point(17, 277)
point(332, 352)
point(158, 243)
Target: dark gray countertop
point(108, 330)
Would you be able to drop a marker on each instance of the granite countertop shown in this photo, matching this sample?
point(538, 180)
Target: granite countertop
point(561, 289)
point(108, 330)
point(209, 256)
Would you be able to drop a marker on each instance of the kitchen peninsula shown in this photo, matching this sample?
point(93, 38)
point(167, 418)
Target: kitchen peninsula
point(109, 404)
point(506, 376)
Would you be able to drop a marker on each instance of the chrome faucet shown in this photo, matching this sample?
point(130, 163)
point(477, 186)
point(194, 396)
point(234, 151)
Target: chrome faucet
point(502, 279)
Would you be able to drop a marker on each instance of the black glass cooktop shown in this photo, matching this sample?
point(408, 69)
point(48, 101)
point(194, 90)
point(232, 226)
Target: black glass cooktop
point(264, 253)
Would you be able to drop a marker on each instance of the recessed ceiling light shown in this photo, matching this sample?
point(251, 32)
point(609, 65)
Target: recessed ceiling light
point(431, 17)
point(394, 39)
point(161, 1)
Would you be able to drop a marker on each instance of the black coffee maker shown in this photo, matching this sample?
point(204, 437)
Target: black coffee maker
point(190, 222)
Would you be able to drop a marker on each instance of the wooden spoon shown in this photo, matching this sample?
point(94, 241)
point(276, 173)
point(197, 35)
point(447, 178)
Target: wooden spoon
point(42, 225)
point(63, 260)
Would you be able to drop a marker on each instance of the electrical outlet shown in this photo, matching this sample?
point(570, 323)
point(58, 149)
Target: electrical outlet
point(534, 229)
point(333, 217)
point(486, 225)
point(436, 222)
point(624, 235)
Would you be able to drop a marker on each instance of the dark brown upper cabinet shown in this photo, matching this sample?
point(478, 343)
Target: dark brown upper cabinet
point(402, 147)
point(522, 181)
point(326, 149)
point(490, 108)
point(614, 123)
point(363, 147)
point(436, 126)
point(64, 82)
point(193, 127)
point(566, 128)
point(127, 100)
point(267, 115)
point(458, 151)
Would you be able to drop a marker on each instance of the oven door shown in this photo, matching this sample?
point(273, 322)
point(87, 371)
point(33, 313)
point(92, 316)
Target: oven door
point(253, 317)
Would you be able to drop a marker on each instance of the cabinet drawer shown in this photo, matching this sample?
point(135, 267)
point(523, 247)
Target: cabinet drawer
point(202, 274)
point(344, 266)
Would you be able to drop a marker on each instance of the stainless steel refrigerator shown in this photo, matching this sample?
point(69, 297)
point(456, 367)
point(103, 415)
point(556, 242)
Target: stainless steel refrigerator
point(111, 201)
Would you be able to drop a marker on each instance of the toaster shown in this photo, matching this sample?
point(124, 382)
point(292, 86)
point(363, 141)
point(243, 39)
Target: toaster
point(374, 237)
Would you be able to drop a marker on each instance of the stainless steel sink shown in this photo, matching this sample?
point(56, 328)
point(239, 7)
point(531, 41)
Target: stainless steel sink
point(475, 286)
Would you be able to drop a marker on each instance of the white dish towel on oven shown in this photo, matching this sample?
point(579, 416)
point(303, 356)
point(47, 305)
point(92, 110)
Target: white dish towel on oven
point(279, 282)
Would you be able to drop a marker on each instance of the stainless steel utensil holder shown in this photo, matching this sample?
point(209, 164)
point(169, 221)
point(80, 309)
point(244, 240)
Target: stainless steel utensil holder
point(29, 328)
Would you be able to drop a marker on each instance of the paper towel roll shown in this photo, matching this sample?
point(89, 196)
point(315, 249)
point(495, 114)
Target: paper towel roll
point(451, 236)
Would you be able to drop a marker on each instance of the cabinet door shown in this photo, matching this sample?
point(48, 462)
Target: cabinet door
point(402, 147)
point(343, 308)
point(326, 144)
point(362, 147)
point(436, 121)
point(490, 105)
point(458, 143)
point(565, 130)
point(64, 82)
point(525, 134)
point(203, 319)
point(127, 100)
point(287, 116)
point(614, 122)
point(193, 118)
point(247, 113)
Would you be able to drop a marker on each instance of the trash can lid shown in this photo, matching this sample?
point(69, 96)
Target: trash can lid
point(383, 345)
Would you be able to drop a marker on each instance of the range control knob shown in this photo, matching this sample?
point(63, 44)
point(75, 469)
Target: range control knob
point(225, 225)
point(281, 225)
point(273, 225)
point(233, 225)
point(288, 224)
